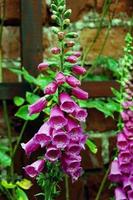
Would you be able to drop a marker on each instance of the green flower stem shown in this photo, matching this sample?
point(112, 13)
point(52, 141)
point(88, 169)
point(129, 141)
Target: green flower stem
point(67, 187)
point(19, 138)
point(102, 185)
point(9, 133)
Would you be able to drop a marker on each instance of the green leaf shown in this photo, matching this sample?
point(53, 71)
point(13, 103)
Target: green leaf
point(5, 160)
point(21, 195)
point(16, 70)
point(24, 114)
point(7, 185)
point(29, 78)
point(31, 97)
point(24, 184)
point(92, 146)
point(18, 101)
point(116, 93)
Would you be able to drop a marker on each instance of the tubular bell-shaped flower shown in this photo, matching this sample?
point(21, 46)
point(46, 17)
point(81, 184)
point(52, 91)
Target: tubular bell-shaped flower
point(38, 106)
point(35, 168)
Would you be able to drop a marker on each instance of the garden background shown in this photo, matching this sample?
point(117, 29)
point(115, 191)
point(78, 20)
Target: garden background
point(25, 41)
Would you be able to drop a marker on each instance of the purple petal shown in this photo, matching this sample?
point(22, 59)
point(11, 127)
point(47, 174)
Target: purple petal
point(52, 154)
point(60, 78)
point(38, 106)
point(67, 103)
point(79, 93)
point(51, 88)
point(72, 81)
point(115, 174)
point(122, 142)
point(30, 146)
point(120, 194)
point(57, 119)
point(35, 168)
point(60, 139)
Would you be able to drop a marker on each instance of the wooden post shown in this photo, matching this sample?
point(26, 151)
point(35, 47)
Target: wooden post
point(31, 34)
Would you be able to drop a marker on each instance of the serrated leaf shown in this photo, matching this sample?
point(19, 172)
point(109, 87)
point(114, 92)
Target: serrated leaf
point(21, 195)
point(116, 93)
point(24, 184)
point(18, 101)
point(92, 146)
point(5, 160)
point(7, 185)
point(31, 97)
point(29, 78)
point(24, 114)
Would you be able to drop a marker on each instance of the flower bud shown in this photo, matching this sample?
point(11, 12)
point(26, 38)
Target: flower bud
point(77, 54)
point(66, 21)
point(78, 70)
point(71, 59)
point(60, 8)
point(61, 35)
point(68, 13)
point(72, 35)
point(55, 50)
point(79, 93)
point(51, 88)
point(60, 78)
point(42, 66)
point(70, 43)
point(72, 81)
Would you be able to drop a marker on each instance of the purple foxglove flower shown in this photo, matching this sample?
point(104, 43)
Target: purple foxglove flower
point(124, 157)
point(72, 124)
point(71, 59)
point(124, 116)
point(45, 128)
point(51, 88)
point(60, 78)
point(115, 174)
point(79, 93)
point(78, 70)
point(60, 139)
point(76, 174)
point(126, 183)
point(122, 142)
point(130, 113)
point(38, 106)
point(77, 54)
point(35, 168)
point(42, 139)
point(127, 133)
point(120, 194)
point(129, 126)
point(72, 81)
point(125, 168)
point(30, 146)
point(74, 148)
point(52, 154)
point(57, 119)
point(82, 140)
point(67, 103)
point(55, 50)
point(68, 158)
point(80, 114)
point(43, 66)
point(130, 195)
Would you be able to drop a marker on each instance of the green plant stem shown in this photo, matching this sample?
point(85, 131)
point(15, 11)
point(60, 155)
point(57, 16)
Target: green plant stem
point(67, 187)
point(9, 133)
point(104, 13)
point(19, 138)
point(102, 185)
